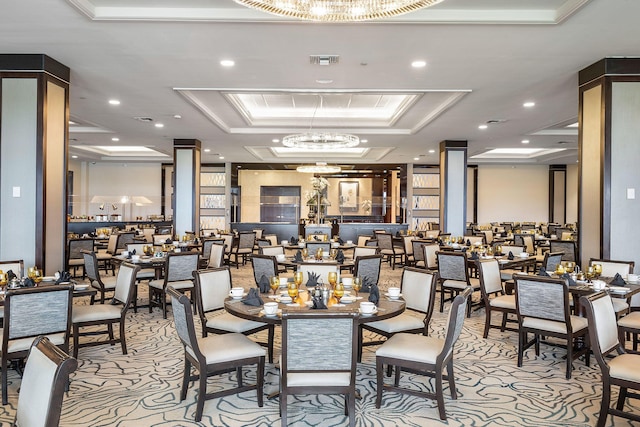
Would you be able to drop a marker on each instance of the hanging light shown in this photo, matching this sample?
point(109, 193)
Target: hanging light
point(319, 167)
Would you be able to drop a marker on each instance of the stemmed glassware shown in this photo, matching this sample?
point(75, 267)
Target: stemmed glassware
point(37, 276)
point(274, 283)
point(597, 270)
point(333, 278)
point(292, 290)
point(305, 253)
point(338, 290)
point(3, 279)
point(357, 285)
point(298, 277)
point(333, 253)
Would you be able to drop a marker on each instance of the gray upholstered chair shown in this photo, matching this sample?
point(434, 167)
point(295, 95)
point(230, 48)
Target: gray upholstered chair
point(30, 312)
point(74, 258)
point(228, 246)
point(418, 289)
point(418, 252)
point(46, 375)
point(321, 269)
point(312, 248)
point(453, 276)
point(367, 267)
point(104, 257)
point(274, 251)
point(551, 261)
point(212, 288)
point(264, 265)
point(425, 355)
point(387, 248)
point(567, 247)
point(542, 305)
point(493, 295)
point(207, 243)
point(102, 284)
point(213, 355)
point(319, 352)
point(244, 247)
point(178, 273)
point(124, 238)
point(106, 314)
point(621, 370)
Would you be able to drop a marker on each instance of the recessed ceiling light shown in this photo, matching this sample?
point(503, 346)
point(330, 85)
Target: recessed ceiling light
point(72, 123)
point(529, 104)
point(364, 141)
point(115, 139)
point(74, 157)
point(483, 127)
point(114, 102)
point(419, 64)
point(525, 141)
point(432, 151)
point(275, 140)
point(227, 63)
point(324, 81)
point(159, 125)
point(207, 150)
point(416, 158)
point(572, 125)
point(221, 157)
point(177, 116)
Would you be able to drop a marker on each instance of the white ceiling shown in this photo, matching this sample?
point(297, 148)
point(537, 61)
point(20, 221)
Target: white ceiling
point(485, 58)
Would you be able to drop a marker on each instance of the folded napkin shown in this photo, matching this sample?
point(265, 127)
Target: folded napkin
point(11, 275)
point(618, 280)
point(312, 281)
point(340, 241)
point(169, 241)
point(374, 294)
point(510, 256)
point(340, 257)
point(264, 284)
point(468, 242)
point(569, 280)
point(474, 256)
point(253, 298)
point(542, 271)
point(366, 285)
point(133, 252)
point(316, 238)
point(318, 304)
point(298, 257)
point(28, 283)
point(63, 276)
point(464, 249)
point(293, 241)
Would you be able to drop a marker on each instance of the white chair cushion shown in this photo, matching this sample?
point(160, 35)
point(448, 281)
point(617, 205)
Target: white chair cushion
point(89, 313)
point(148, 273)
point(103, 255)
point(412, 347)
point(108, 281)
point(504, 301)
point(227, 347)
point(228, 322)
point(404, 322)
point(325, 379)
point(631, 321)
point(419, 263)
point(507, 273)
point(459, 284)
point(158, 283)
point(25, 343)
point(386, 251)
point(76, 261)
point(577, 323)
point(619, 305)
point(625, 367)
point(181, 284)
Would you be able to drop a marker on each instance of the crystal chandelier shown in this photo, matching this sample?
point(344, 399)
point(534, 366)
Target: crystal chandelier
point(317, 140)
point(338, 10)
point(318, 168)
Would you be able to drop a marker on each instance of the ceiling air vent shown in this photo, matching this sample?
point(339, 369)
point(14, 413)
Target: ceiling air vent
point(324, 59)
point(144, 119)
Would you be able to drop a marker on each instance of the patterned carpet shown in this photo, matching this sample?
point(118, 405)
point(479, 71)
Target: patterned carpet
point(142, 388)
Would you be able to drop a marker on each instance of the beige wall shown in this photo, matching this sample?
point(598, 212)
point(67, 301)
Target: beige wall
point(572, 193)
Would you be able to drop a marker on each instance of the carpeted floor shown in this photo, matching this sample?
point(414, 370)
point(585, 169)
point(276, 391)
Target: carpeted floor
point(142, 388)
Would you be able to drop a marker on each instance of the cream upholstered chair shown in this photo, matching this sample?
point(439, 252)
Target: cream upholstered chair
point(507, 273)
point(142, 274)
point(408, 249)
point(475, 240)
point(244, 247)
point(272, 239)
point(148, 234)
point(74, 258)
point(207, 243)
point(106, 314)
point(423, 354)
point(418, 289)
point(493, 295)
point(272, 250)
point(629, 324)
point(30, 312)
point(102, 284)
point(321, 269)
point(362, 240)
point(216, 256)
point(178, 273)
point(542, 304)
point(46, 375)
point(453, 276)
point(160, 239)
point(418, 253)
point(212, 288)
point(430, 257)
point(621, 370)
point(319, 357)
point(609, 269)
point(228, 246)
point(213, 355)
point(364, 250)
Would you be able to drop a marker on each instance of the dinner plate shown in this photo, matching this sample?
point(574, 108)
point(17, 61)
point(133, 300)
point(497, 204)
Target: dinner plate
point(278, 313)
point(368, 314)
point(348, 299)
point(49, 279)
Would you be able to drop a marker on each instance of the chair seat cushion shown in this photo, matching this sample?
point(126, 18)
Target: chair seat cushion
point(180, 284)
point(417, 348)
point(459, 284)
point(324, 379)
point(507, 273)
point(504, 301)
point(577, 324)
point(419, 263)
point(630, 321)
point(23, 344)
point(76, 261)
point(227, 347)
point(228, 322)
point(625, 367)
point(108, 281)
point(90, 313)
point(619, 305)
point(403, 322)
point(101, 256)
point(147, 273)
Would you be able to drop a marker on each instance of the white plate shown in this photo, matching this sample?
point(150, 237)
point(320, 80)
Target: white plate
point(337, 305)
point(49, 279)
point(240, 297)
point(390, 297)
point(347, 299)
point(278, 313)
point(284, 301)
point(368, 314)
point(81, 287)
point(618, 289)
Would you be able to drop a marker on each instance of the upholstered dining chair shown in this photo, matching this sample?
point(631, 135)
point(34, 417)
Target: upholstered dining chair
point(160, 239)
point(264, 265)
point(244, 247)
point(272, 239)
point(319, 352)
point(74, 258)
point(321, 269)
point(367, 267)
point(216, 256)
point(362, 240)
point(364, 250)
point(408, 249)
point(418, 289)
point(621, 370)
point(212, 288)
point(312, 248)
point(567, 247)
point(388, 249)
point(143, 273)
point(213, 355)
point(542, 305)
point(274, 251)
point(425, 355)
point(629, 325)
point(430, 258)
point(207, 243)
point(228, 246)
point(46, 375)
point(30, 312)
point(106, 314)
point(104, 256)
point(609, 269)
point(475, 240)
point(493, 295)
point(453, 276)
point(102, 284)
point(178, 273)
point(418, 252)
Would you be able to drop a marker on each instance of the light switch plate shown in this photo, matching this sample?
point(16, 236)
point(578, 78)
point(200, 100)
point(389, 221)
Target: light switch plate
point(16, 191)
point(631, 193)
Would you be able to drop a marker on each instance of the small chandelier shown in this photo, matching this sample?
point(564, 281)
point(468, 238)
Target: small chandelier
point(317, 140)
point(338, 10)
point(318, 168)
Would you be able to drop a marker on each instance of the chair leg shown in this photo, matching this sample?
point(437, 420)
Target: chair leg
point(452, 381)
point(606, 400)
point(260, 382)
point(522, 339)
point(239, 376)
point(569, 357)
point(185, 379)
point(351, 407)
point(5, 399)
point(164, 303)
point(76, 340)
point(110, 330)
point(123, 341)
point(283, 409)
point(487, 322)
point(202, 395)
point(440, 395)
point(622, 396)
point(379, 381)
point(270, 338)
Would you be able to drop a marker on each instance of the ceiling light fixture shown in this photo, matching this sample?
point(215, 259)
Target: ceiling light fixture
point(419, 64)
point(114, 102)
point(483, 127)
point(115, 139)
point(525, 141)
point(529, 104)
point(159, 125)
point(337, 10)
point(319, 167)
point(227, 63)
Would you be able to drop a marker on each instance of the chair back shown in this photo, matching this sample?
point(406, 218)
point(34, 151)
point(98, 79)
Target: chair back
point(258, 233)
point(228, 243)
point(124, 239)
point(490, 281)
point(567, 247)
point(180, 266)
point(264, 265)
point(125, 283)
point(452, 266)
point(455, 322)
point(430, 257)
point(488, 236)
point(160, 239)
point(312, 247)
point(362, 240)
point(543, 298)
point(212, 288)
point(46, 375)
point(364, 250)
point(385, 241)
point(416, 248)
point(272, 238)
point(551, 260)
point(408, 246)
point(206, 246)
point(475, 239)
point(216, 256)
point(525, 240)
point(320, 269)
point(16, 266)
point(603, 326)
point(367, 267)
point(314, 342)
point(112, 244)
point(183, 320)
point(431, 234)
point(611, 267)
point(418, 290)
point(246, 240)
point(91, 268)
point(272, 250)
point(514, 249)
point(76, 246)
point(148, 234)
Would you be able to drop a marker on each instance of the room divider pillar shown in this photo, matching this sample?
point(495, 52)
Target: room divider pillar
point(34, 117)
point(453, 187)
point(185, 199)
point(609, 150)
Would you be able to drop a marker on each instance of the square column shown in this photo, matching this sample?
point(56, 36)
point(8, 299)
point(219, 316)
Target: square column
point(453, 187)
point(186, 186)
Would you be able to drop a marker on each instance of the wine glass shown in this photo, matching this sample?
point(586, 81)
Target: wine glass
point(31, 272)
point(298, 277)
point(357, 285)
point(37, 276)
point(570, 266)
point(319, 254)
point(305, 253)
point(597, 269)
point(3, 279)
point(333, 278)
point(292, 290)
point(338, 290)
point(274, 283)
point(333, 253)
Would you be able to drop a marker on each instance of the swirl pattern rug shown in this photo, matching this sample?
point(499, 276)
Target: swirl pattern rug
point(143, 387)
